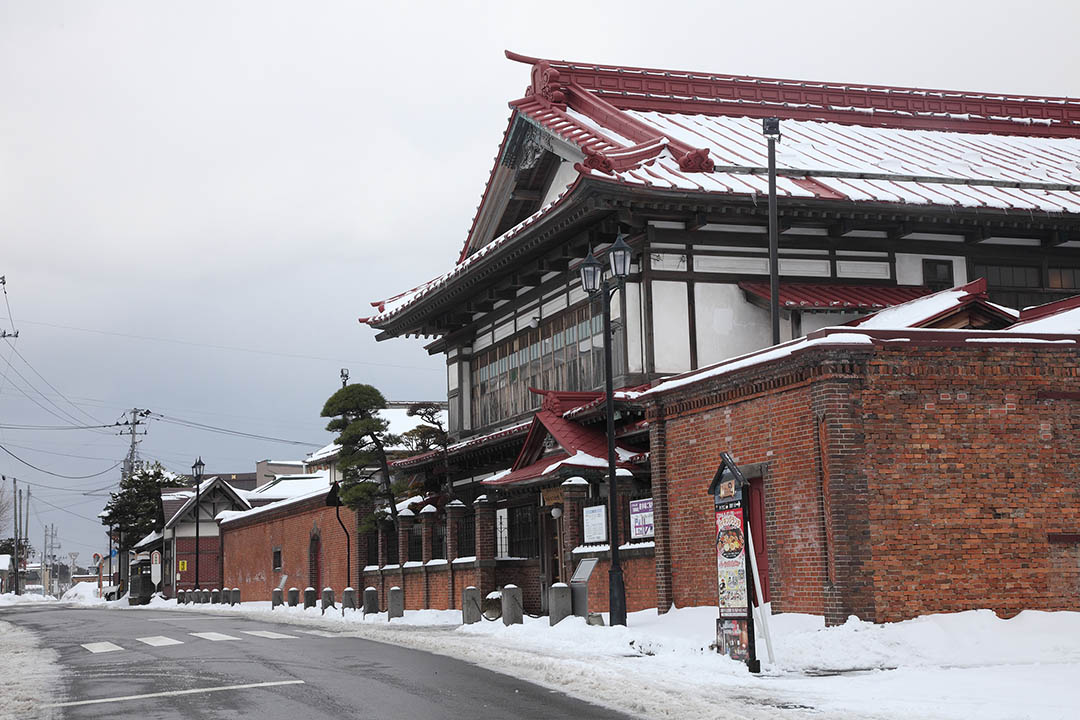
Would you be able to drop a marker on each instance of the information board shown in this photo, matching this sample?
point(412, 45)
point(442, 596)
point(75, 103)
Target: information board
point(594, 524)
point(641, 519)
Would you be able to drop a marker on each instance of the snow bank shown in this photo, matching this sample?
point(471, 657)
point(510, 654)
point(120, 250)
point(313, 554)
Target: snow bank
point(29, 673)
point(85, 593)
point(960, 665)
point(24, 599)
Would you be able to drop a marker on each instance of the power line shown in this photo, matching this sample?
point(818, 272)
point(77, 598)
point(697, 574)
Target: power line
point(57, 507)
point(235, 433)
point(47, 472)
point(54, 388)
point(233, 348)
point(55, 427)
point(51, 452)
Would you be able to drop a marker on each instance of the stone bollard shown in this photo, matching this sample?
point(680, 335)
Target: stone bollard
point(309, 597)
point(179, 597)
point(294, 597)
point(511, 605)
point(395, 603)
point(205, 596)
point(371, 601)
point(348, 598)
point(275, 598)
point(559, 605)
point(327, 598)
point(470, 605)
point(234, 597)
point(215, 597)
point(202, 596)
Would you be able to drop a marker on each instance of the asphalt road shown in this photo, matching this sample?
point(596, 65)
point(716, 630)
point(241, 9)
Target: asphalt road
point(302, 676)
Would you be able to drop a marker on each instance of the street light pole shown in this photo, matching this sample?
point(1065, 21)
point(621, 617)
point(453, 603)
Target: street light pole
point(593, 282)
point(197, 471)
point(771, 129)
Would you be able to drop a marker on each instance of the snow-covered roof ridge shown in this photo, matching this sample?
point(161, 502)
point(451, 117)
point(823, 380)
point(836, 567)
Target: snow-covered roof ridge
point(1061, 316)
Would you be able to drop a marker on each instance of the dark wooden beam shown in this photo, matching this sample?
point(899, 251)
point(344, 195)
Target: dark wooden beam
point(524, 194)
point(975, 235)
point(698, 221)
point(1057, 237)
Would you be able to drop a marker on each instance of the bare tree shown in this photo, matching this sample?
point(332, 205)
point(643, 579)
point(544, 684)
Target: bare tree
point(6, 504)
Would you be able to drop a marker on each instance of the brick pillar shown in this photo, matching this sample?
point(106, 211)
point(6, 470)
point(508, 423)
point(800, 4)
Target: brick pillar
point(383, 529)
point(455, 511)
point(575, 490)
point(428, 518)
point(406, 519)
point(665, 592)
point(485, 543)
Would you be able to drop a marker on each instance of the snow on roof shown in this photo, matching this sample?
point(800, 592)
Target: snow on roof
point(148, 540)
point(323, 453)
point(227, 516)
point(290, 486)
point(204, 487)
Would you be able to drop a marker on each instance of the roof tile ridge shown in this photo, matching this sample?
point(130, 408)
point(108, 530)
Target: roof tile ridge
point(1047, 309)
point(613, 161)
point(690, 159)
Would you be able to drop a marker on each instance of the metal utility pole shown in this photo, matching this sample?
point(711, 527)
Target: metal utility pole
point(771, 129)
point(344, 377)
point(16, 494)
point(44, 561)
point(71, 569)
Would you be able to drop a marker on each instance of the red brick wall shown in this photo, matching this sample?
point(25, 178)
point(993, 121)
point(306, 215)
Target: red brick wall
point(969, 470)
point(209, 562)
point(639, 579)
point(902, 479)
point(249, 547)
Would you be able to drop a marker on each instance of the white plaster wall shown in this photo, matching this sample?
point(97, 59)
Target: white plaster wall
point(565, 175)
point(727, 325)
point(816, 321)
point(635, 341)
point(207, 528)
point(671, 327)
point(909, 268)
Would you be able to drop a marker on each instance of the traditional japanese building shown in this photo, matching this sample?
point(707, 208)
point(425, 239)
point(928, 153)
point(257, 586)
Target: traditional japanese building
point(885, 195)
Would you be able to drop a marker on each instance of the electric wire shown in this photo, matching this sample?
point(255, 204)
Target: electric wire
point(235, 433)
point(55, 427)
point(57, 507)
point(233, 348)
point(53, 387)
point(59, 475)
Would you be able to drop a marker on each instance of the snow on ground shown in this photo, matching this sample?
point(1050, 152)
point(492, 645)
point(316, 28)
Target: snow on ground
point(961, 665)
point(27, 673)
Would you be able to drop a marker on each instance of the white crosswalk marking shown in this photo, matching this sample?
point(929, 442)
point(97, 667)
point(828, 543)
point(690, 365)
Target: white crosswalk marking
point(215, 636)
point(100, 647)
point(269, 634)
point(159, 641)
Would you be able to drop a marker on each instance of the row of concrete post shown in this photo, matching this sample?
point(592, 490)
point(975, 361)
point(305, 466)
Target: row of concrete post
point(505, 604)
point(214, 597)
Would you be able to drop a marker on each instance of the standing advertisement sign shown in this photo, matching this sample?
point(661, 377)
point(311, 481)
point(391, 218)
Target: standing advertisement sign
point(734, 575)
point(594, 524)
point(155, 568)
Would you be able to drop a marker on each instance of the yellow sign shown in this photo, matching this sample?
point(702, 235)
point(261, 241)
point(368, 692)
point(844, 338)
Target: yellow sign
point(182, 564)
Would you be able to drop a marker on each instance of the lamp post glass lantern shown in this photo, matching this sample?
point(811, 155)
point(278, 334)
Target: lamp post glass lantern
point(196, 472)
point(593, 281)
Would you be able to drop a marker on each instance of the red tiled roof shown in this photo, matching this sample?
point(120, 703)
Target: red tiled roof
point(810, 296)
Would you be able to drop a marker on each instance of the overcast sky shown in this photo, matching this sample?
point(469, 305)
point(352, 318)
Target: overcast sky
point(198, 199)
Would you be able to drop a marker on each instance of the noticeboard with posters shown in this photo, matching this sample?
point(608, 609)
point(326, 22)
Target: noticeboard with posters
point(641, 519)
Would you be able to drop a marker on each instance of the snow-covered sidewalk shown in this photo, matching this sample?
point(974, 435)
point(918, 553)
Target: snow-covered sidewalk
point(28, 672)
point(962, 665)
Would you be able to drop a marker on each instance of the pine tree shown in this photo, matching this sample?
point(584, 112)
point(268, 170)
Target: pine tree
point(363, 436)
point(135, 509)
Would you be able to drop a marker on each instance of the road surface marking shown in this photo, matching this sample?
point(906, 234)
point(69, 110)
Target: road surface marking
point(269, 634)
point(215, 636)
point(159, 641)
point(100, 647)
point(320, 633)
point(173, 693)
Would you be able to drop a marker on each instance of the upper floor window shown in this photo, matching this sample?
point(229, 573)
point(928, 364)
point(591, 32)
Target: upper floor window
point(564, 353)
point(937, 274)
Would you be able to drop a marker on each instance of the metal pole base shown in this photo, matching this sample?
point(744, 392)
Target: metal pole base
point(616, 596)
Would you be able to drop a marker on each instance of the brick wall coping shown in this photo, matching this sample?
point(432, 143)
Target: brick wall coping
point(644, 549)
point(833, 338)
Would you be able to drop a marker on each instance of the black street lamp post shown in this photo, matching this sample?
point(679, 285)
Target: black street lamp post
point(770, 127)
point(593, 281)
point(197, 471)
